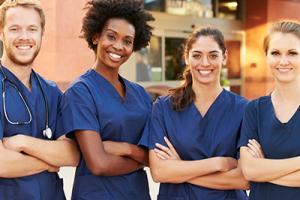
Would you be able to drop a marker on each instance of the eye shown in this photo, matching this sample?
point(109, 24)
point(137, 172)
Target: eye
point(128, 42)
point(275, 53)
point(13, 29)
point(33, 29)
point(293, 53)
point(196, 56)
point(214, 56)
point(111, 37)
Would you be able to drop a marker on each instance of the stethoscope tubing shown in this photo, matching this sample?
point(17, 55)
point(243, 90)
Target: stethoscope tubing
point(25, 102)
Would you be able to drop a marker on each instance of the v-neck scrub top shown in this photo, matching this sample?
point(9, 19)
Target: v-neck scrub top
point(197, 137)
point(44, 185)
point(278, 141)
point(92, 103)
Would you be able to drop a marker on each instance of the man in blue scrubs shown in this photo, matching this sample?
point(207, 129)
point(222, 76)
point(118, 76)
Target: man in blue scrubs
point(30, 155)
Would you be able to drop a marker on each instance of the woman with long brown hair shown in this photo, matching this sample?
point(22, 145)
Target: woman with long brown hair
point(193, 131)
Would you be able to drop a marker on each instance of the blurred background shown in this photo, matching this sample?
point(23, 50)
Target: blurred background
point(64, 55)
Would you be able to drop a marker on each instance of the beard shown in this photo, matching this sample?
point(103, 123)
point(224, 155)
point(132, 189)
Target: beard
point(21, 61)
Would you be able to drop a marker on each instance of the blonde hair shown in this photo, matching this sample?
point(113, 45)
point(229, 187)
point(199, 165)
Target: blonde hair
point(292, 27)
point(35, 4)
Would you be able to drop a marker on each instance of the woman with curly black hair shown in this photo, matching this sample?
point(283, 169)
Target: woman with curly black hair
point(105, 112)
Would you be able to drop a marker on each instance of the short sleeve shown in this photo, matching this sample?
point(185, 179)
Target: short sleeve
point(156, 127)
point(55, 102)
point(77, 111)
point(249, 128)
point(2, 119)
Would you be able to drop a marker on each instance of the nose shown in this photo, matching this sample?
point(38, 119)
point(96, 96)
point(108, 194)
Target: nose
point(23, 34)
point(284, 61)
point(118, 45)
point(205, 61)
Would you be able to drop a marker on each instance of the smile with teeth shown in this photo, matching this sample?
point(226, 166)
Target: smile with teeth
point(24, 47)
point(284, 69)
point(205, 71)
point(114, 56)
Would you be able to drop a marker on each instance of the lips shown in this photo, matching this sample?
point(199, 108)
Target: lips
point(24, 47)
point(284, 70)
point(205, 72)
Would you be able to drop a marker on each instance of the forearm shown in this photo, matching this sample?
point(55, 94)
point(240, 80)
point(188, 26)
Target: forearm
point(229, 180)
point(179, 171)
point(139, 154)
point(62, 152)
point(266, 170)
point(111, 165)
point(15, 164)
point(289, 180)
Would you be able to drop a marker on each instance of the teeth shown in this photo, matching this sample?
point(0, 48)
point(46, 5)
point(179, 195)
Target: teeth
point(284, 69)
point(23, 47)
point(204, 72)
point(114, 55)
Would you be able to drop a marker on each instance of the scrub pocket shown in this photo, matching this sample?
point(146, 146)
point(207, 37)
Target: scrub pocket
point(89, 187)
point(168, 197)
point(7, 192)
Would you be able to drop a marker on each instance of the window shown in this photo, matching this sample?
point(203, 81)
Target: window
point(149, 61)
point(227, 9)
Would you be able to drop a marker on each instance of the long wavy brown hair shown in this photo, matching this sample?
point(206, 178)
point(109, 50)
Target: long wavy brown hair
point(184, 95)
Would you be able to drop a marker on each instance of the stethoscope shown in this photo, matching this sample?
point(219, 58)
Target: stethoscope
point(47, 133)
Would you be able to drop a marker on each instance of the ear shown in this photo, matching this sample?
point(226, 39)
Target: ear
point(225, 57)
point(95, 39)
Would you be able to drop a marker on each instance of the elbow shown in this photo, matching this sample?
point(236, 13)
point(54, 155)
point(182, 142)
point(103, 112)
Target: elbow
point(98, 170)
point(74, 161)
point(156, 176)
point(157, 173)
point(161, 176)
point(99, 167)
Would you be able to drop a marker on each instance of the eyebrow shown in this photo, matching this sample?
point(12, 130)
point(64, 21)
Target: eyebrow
point(108, 29)
point(214, 51)
point(288, 50)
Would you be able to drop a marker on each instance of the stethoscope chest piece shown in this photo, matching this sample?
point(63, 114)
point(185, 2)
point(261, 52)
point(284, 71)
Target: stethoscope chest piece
point(47, 133)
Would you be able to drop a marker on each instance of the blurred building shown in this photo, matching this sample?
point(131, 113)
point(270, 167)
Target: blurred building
point(64, 55)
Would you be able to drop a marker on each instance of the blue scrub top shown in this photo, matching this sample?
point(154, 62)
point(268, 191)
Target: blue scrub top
point(44, 185)
point(92, 103)
point(197, 137)
point(278, 141)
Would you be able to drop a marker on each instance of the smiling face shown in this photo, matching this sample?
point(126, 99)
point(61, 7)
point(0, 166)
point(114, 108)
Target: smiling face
point(21, 35)
point(115, 44)
point(283, 57)
point(205, 59)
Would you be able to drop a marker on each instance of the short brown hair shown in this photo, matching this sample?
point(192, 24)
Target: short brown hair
point(291, 27)
point(35, 4)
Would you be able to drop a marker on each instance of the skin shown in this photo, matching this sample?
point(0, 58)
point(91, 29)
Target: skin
point(110, 158)
point(283, 58)
point(205, 59)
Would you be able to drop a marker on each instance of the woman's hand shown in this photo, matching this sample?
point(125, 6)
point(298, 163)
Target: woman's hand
point(254, 148)
point(166, 153)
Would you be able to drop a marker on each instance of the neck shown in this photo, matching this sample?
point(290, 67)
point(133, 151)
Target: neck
point(112, 75)
point(288, 92)
point(22, 72)
point(206, 93)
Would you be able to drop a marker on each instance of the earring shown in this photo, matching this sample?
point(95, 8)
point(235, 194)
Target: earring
point(95, 42)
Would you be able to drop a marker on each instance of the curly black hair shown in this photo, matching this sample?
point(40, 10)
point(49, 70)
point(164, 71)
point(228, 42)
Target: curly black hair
point(100, 11)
